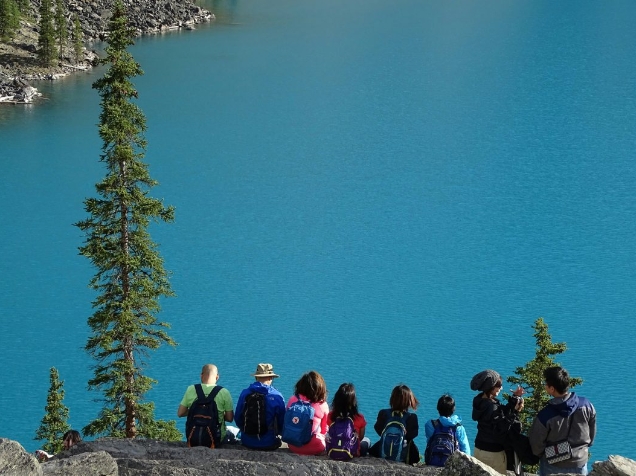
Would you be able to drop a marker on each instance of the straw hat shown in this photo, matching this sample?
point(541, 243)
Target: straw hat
point(265, 370)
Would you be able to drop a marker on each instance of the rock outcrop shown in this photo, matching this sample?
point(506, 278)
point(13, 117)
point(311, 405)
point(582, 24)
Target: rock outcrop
point(148, 457)
point(463, 465)
point(614, 466)
point(17, 462)
point(99, 463)
point(117, 457)
point(16, 90)
point(145, 16)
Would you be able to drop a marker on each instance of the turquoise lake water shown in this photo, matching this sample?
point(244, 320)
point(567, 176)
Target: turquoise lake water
point(385, 192)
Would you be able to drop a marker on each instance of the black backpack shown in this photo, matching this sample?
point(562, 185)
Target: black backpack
point(254, 415)
point(202, 426)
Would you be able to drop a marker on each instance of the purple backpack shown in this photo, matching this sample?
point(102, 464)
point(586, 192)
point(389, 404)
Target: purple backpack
point(342, 440)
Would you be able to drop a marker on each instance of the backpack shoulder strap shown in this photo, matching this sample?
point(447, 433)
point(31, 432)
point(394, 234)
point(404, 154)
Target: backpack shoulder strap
point(435, 423)
point(199, 389)
point(215, 391)
point(201, 396)
point(403, 416)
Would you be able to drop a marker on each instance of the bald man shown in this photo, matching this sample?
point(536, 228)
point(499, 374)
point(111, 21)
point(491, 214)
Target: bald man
point(223, 399)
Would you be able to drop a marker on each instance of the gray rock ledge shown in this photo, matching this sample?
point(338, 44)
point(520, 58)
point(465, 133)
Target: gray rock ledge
point(118, 457)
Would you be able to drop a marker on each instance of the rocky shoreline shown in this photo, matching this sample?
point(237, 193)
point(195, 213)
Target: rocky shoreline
point(18, 58)
point(121, 457)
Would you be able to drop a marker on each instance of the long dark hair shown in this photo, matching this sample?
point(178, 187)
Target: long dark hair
point(70, 438)
point(345, 402)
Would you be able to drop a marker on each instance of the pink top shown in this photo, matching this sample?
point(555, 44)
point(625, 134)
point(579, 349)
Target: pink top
point(317, 443)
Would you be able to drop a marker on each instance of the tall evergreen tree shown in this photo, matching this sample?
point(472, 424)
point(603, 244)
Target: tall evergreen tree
point(530, 376)
point(130, 276)
point(61, 28)
point(9, 19)
point(78, 38)
point(46, 38)
point(54, 423)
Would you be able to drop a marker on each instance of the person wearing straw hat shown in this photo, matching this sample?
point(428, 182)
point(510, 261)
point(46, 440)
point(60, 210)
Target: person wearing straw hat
point(260, 411)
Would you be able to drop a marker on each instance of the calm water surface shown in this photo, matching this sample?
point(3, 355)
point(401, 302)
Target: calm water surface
point(382, 191)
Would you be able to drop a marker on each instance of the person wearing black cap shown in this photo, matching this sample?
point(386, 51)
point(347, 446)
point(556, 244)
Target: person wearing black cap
point(494, 420)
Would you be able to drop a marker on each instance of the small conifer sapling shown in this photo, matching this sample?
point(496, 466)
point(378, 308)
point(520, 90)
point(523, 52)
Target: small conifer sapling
point(55, 421)
point(530, 376)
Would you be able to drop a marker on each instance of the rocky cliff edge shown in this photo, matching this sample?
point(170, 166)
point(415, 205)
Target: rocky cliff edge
point(118, 457)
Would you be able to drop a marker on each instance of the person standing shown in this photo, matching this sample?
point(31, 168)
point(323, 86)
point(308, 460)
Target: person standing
point(495, 422)
point(260, 411)
point(567, 417)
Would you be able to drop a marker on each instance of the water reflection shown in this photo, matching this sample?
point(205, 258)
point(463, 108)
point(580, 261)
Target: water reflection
point(224, 10)
point(9, 113)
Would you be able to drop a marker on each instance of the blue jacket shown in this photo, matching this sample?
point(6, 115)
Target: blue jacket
point(462, 439)
point(274, 416)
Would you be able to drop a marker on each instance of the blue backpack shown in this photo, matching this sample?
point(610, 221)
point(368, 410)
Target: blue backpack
point(342, 440)
point(393, 436)
point(299, 422)
point(442, 443)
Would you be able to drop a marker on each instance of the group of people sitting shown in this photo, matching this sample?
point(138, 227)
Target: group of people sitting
point(558, 439)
